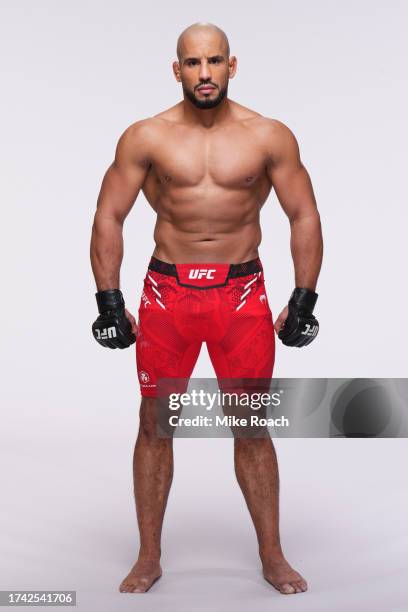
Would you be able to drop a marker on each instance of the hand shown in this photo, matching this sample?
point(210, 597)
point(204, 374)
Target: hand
point(132, 321)
point(115, 327)
point(297, 326)
point(280, 321)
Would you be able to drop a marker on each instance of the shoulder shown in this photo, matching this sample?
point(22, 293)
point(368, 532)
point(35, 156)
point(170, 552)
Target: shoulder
point(139, 139)
point(148, 131)
point(276, 138)
point(141, 131)
point(260, 123)
point(274, 129)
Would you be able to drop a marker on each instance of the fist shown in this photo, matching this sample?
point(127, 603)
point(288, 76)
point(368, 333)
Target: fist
point(115, 327)
point(296, 325)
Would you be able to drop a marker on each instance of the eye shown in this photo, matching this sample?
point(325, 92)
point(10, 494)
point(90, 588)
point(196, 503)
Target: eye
point(192, 63)
point(215, 60)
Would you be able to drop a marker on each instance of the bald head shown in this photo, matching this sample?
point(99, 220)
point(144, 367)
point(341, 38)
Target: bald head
point(204, 59)
point(201, 30)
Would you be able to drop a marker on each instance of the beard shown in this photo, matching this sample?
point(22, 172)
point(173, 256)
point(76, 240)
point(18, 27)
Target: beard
point(207, 102)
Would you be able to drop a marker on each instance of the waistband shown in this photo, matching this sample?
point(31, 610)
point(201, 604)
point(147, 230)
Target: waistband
point(205, 275)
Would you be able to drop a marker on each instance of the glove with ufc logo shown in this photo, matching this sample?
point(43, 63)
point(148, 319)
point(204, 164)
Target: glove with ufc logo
point(112, 328)
point(300, 327)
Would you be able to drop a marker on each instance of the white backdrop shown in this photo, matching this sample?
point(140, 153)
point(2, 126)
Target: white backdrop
point(75, 75)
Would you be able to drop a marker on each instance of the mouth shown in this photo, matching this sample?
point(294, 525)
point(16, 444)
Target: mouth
point(206, 89)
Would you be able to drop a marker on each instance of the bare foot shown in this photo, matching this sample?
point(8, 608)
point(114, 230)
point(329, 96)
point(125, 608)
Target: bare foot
point(141, 577)
point(282, 576)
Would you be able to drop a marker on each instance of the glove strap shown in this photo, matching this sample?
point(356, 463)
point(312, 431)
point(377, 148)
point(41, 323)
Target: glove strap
point(303, 299)
point(110, 299)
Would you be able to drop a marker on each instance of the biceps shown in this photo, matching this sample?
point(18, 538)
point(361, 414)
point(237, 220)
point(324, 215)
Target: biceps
point(294, 190)
point(119, 190)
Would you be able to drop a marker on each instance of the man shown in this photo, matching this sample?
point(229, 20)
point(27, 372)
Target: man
point(206, 166)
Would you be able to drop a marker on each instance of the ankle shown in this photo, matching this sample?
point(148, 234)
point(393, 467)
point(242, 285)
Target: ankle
point(149, 555)
point(273, 551)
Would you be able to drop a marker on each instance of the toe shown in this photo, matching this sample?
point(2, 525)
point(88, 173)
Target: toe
point(141, 586)
point(300, 585)
point(286, 588)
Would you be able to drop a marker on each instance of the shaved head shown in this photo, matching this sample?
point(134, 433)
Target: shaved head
point(197, 29)
point(204, 64)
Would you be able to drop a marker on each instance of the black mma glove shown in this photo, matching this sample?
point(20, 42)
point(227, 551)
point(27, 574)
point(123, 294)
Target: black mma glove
point(112, 328)
point(301, 327)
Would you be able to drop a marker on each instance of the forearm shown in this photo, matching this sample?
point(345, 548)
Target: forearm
point(306, 245)
point(106, 251)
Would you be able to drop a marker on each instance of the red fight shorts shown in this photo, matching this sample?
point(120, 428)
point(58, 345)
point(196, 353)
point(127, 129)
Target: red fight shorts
point(184, 305)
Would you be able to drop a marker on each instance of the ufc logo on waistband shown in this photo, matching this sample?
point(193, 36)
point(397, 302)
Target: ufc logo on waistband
point(197, 273)
point(310, 330)
point(105, 333)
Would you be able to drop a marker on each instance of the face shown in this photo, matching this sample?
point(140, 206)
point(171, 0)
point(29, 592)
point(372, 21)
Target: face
point(204, 69)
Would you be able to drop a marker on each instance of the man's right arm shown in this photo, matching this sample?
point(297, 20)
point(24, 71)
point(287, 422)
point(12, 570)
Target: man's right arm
point(120, 187)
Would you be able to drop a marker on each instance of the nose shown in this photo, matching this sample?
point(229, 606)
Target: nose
point(205, 73)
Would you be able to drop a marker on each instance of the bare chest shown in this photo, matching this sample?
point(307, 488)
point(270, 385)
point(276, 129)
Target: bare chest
point(228, 158)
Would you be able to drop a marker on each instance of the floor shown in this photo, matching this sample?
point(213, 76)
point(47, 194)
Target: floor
point(68, 522)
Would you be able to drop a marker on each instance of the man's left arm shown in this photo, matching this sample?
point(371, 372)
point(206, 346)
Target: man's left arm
point(294, 190)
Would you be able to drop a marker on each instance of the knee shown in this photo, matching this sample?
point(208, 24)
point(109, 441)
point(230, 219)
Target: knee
point(148, 418)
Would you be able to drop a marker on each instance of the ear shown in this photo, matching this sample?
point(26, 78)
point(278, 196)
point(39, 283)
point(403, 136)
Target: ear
point(232, 66)
point(176, 70)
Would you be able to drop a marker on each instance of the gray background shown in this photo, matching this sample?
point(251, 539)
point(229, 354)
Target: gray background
point(74, 76)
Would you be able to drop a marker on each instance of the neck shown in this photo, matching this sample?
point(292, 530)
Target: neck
point(207, 117)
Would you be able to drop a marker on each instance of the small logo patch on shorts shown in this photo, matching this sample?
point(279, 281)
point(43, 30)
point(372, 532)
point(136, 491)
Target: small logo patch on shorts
point(143, 376)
